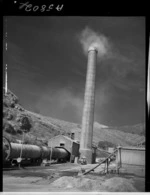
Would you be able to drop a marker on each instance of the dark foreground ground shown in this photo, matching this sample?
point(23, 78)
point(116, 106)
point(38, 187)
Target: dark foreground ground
point(68, 177)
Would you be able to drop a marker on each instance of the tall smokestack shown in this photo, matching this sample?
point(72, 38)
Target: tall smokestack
point(6, 86)
point(88, 110)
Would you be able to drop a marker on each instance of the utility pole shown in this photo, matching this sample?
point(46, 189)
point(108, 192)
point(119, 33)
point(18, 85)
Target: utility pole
point(6, 84)
point(6, 80)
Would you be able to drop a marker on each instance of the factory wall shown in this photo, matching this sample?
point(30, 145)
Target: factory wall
point(131, 160)
point(132, 156)
point(75, 149)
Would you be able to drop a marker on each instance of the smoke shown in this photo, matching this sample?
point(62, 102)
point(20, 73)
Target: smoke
point(89, 38)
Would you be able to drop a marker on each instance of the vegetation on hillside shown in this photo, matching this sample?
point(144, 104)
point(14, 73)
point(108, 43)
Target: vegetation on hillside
point(105, 145)
point(38, 129)
point(134, 129)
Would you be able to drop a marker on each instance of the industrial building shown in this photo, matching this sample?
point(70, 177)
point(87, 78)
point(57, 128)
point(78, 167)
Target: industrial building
point(71, 145)
point(131, 160)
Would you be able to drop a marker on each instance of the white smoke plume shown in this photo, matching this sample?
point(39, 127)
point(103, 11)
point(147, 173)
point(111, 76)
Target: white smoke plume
point(89, 38)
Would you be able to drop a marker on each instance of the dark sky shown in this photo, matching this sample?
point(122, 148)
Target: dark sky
point(47, 67)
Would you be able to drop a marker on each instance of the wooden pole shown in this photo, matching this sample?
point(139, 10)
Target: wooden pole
point(107, 166)
point(51, 153)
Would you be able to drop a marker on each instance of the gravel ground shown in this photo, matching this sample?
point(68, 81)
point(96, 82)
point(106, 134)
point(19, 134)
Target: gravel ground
point(68, 177)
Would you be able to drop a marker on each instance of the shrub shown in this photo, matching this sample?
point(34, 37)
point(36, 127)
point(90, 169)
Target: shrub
point(25, 124)
point(105, 144)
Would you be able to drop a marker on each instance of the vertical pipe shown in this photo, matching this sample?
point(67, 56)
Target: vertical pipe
point(6, 86)
point(88, 110)
point(120, 164)
point(148, 81)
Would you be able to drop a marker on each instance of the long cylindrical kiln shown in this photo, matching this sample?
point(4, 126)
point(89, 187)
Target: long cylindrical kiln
point(15, 150)
point(59, 152)
point(45, 152)
point(88, 110)
point(26, 151)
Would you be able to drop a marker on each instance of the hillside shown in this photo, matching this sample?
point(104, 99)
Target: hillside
point(135, 129)
point(38, 129)
point(41, 128)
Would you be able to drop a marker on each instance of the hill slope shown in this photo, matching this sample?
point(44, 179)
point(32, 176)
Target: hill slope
point(38, 129)
point(135, 129)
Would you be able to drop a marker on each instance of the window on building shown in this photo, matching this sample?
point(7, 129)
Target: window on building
point(72, 135)
point(62, 144)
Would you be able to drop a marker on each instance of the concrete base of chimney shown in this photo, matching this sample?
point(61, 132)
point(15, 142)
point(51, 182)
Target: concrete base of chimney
point(86, 153)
